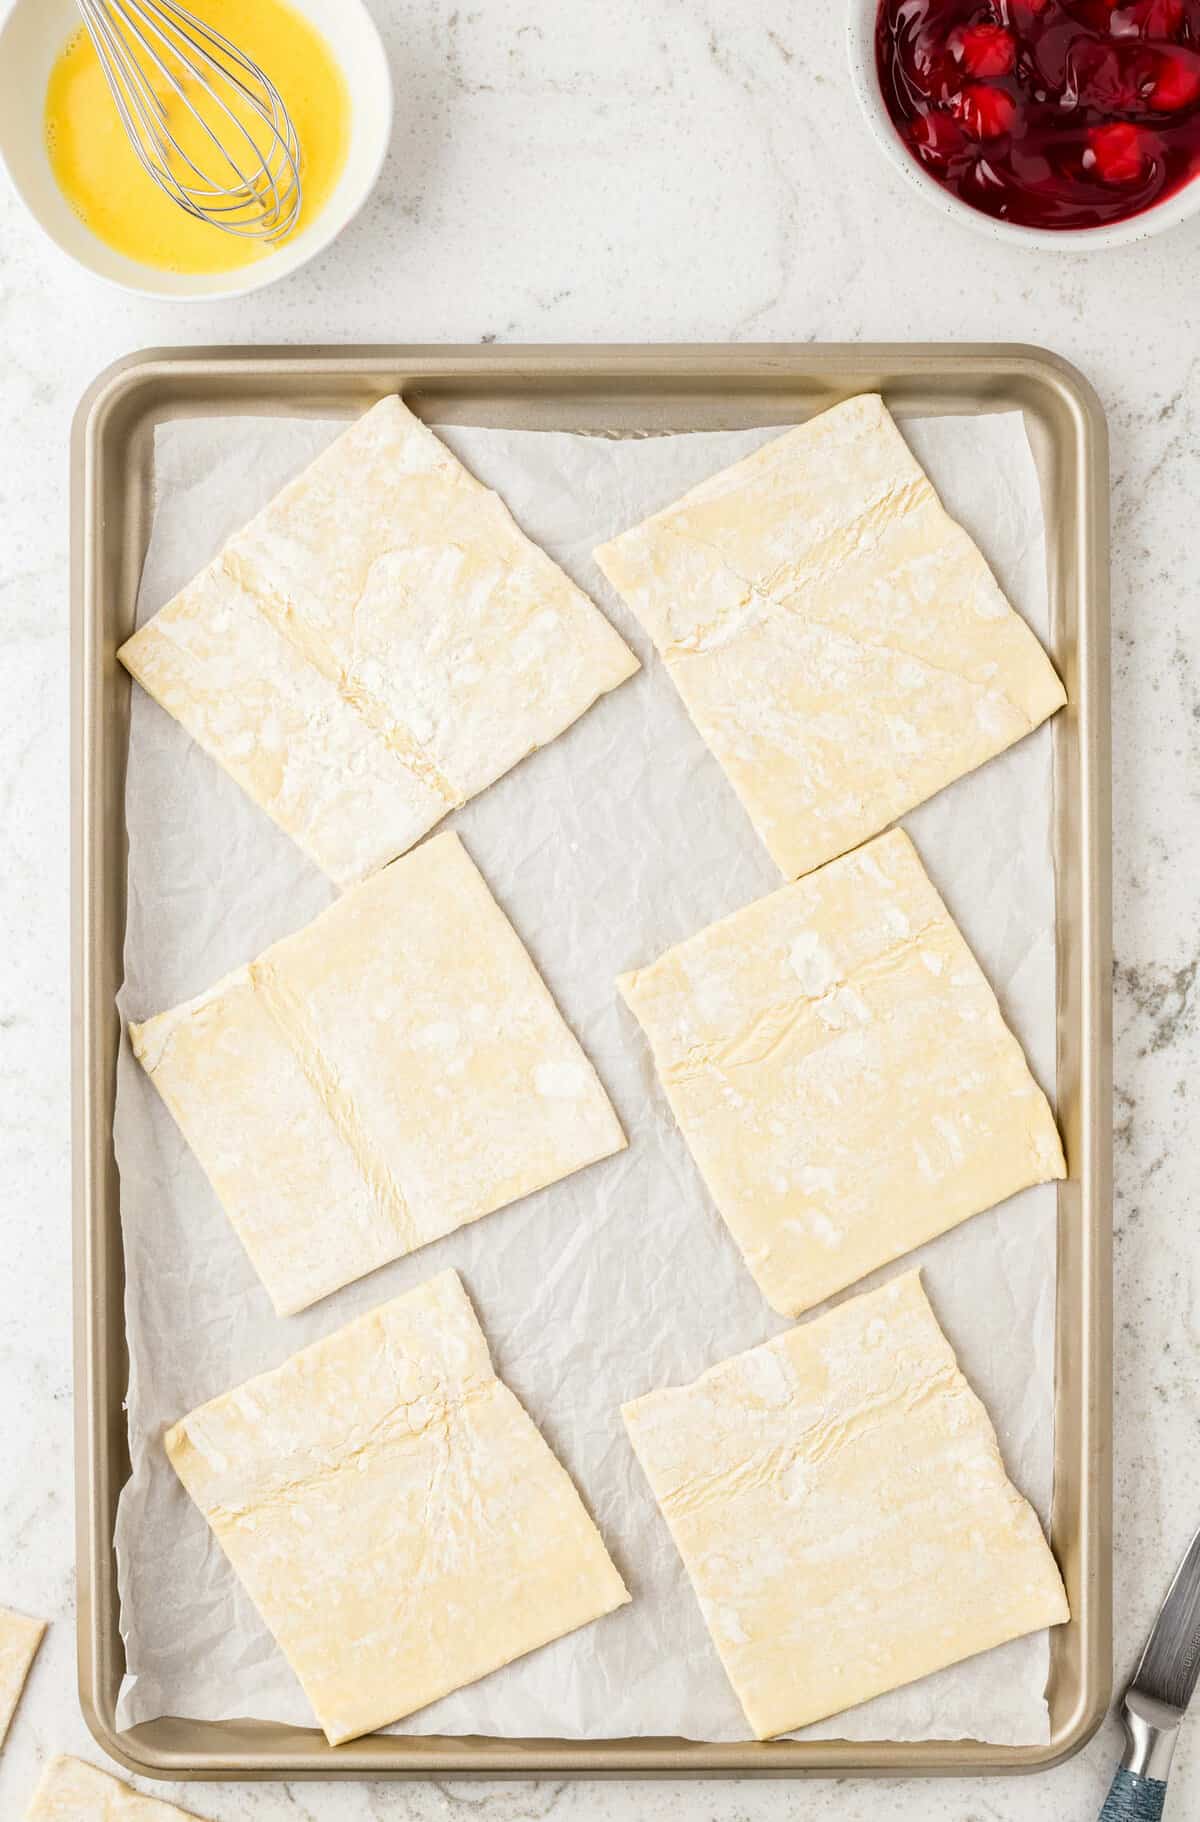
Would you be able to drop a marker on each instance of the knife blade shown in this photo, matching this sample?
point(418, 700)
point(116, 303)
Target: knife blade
point(1157, 1699)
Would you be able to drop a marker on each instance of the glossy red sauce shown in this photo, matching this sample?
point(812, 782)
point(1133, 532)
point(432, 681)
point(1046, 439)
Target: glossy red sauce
point(1051, 113)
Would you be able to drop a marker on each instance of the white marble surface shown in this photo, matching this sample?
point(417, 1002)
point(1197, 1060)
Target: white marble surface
point(628, 170)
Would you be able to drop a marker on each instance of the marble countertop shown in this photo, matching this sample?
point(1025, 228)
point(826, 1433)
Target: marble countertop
point(635, 170)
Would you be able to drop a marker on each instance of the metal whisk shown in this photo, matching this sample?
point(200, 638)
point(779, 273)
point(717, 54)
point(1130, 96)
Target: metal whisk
point(172, 77)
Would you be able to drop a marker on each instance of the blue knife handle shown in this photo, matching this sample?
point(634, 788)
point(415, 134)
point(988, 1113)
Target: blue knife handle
point(1134, 1799)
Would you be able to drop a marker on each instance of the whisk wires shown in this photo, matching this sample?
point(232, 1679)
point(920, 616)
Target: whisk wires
point(207, 124)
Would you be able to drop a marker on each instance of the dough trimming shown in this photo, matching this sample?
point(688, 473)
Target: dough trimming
point(19, 1641)
point(72, 1791)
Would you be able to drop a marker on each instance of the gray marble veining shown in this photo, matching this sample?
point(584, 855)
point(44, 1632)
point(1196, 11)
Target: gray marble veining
point(629, 170)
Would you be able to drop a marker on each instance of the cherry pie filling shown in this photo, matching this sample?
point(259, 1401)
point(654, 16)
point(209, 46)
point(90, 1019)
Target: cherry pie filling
point(1050, 113)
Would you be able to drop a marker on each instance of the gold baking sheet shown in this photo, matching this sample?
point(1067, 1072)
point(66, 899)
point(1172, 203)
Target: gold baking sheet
point(617, 390)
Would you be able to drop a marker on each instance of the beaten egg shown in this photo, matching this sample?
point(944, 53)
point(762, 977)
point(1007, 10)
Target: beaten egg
point(99, 173)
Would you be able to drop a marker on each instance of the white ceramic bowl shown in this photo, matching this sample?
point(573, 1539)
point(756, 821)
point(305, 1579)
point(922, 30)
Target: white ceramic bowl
point(861, 43)
point(32, 36)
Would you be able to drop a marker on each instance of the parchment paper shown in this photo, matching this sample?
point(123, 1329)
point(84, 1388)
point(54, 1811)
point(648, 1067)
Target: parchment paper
point(617, 840)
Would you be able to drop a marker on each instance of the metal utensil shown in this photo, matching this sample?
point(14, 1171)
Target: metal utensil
point(1156, 1700)
point(207, 124)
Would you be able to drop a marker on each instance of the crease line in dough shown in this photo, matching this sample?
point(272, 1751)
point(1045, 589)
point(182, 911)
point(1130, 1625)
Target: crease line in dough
point(734, 621)
point(821, 1441)
point(767, 594)
point(917, 491)
point(399, 740)
point(287, 1013)
point(703, 1056)
point(394, 1430)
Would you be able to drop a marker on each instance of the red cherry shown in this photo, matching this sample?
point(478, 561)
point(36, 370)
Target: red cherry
point(1116, 152)
point(1177, 82)
point(938, 137)
point(985, 111)
point(984, 50)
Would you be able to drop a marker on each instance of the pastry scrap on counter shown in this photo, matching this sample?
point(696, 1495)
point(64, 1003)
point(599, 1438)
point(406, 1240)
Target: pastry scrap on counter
point(71, 1791)
point(378, 645)
point(391, 1072)
point(394, 1513)
point(19, 1641)
point(837, 638)
point(842, 1074)
point(840, 1505)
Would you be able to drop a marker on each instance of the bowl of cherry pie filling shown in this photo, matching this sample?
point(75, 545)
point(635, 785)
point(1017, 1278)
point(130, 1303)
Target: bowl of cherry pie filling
point(1060, 123)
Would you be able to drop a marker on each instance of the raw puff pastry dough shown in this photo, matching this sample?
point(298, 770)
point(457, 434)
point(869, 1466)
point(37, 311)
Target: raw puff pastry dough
point(71, 1791)
point(842, 1074)
point(19, 1641)
point(840, 1504)
point(394, 1513)
point(837, 638)
point(378, 645)
point(394, 1070)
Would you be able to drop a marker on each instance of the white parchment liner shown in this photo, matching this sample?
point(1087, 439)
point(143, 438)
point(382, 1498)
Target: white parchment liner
point(619, 839)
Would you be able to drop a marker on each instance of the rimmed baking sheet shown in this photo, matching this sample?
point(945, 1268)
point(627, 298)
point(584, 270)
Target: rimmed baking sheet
point(632, 391)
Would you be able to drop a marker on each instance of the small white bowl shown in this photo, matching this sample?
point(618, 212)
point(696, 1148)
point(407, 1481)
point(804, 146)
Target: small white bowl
point(861, 44)
point(32, 37)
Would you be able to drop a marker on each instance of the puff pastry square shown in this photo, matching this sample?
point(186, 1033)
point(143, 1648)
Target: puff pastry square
point(837, 638)
point(394, 1513)
point(840, 1504)
point(71, 1791)
point(392, 1071)
point(19, 1641)
point(842, 1074)
point(378, 645)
